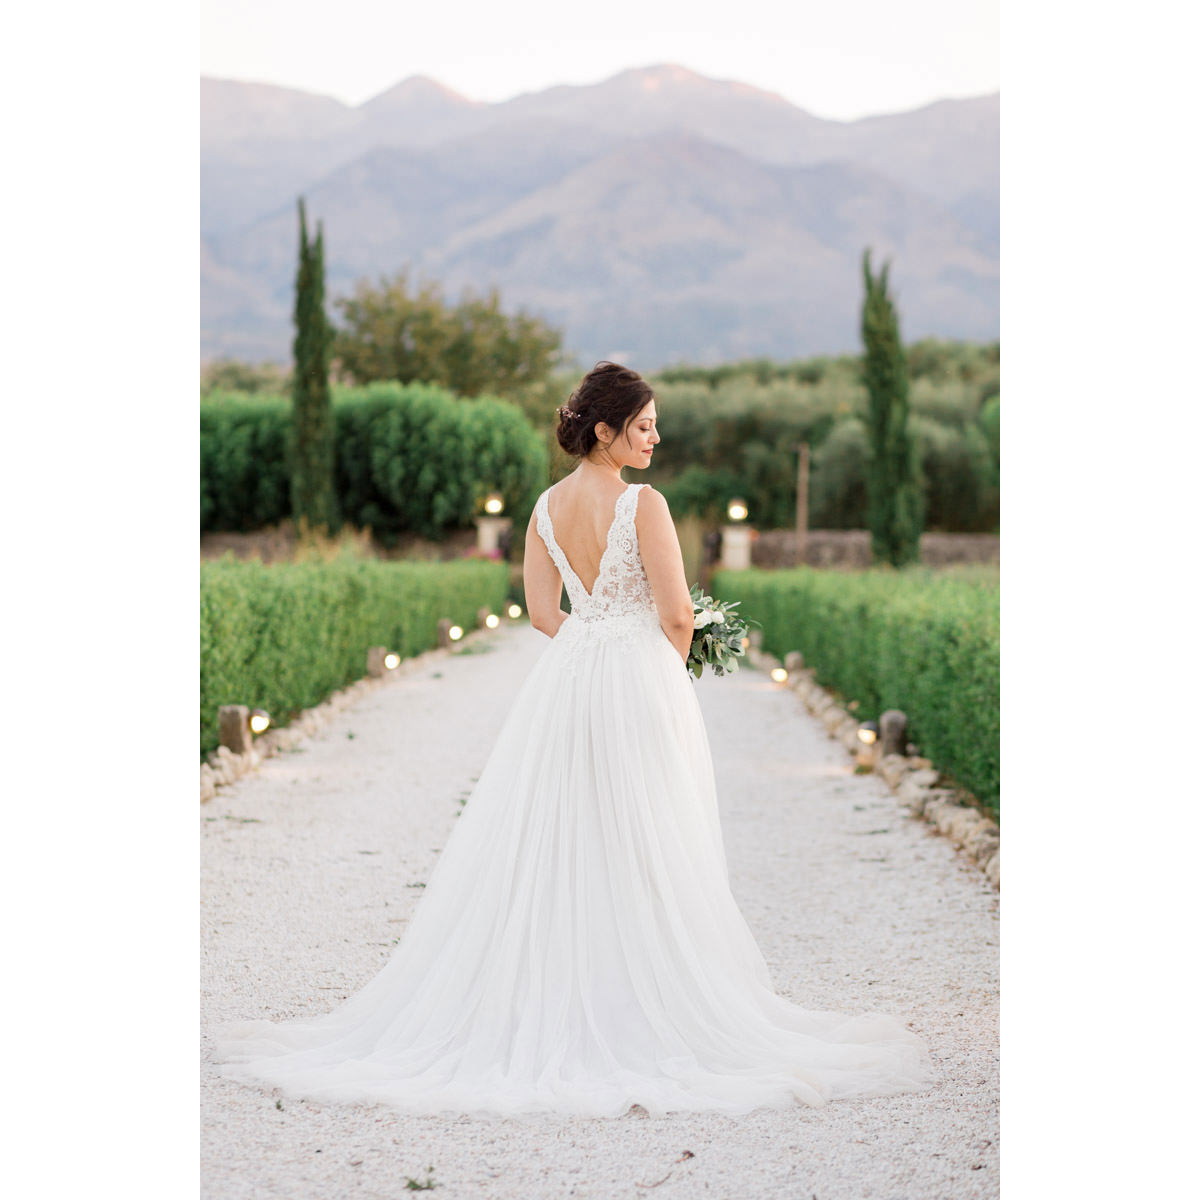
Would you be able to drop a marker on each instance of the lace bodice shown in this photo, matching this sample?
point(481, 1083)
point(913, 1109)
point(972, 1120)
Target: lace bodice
point(621, 587)
point(620, 607)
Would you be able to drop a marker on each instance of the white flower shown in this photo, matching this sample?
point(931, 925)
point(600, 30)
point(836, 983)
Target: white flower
point(718, 618)
point(703, 618)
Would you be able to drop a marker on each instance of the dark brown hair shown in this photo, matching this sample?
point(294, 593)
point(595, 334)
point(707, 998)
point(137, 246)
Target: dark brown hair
point(610, 393)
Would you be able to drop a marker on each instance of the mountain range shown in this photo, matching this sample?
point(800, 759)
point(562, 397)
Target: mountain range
point(657, 216)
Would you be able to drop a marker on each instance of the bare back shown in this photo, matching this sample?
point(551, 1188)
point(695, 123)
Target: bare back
point(582, 512)
point(582, 518)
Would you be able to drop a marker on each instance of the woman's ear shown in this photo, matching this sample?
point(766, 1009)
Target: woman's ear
point(603, 433)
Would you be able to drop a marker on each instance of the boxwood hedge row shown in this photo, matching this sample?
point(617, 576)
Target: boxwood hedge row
point(925, 643)
point(283, 636)
point(409, 457)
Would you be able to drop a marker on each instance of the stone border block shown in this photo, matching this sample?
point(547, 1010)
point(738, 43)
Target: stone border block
point(914, 779)
point(222, 767)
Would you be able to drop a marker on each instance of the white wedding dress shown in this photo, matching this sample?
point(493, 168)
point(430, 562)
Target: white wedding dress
point(577, 948)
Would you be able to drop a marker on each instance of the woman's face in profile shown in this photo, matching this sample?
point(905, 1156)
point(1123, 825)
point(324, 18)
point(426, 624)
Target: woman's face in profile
point(634, 447)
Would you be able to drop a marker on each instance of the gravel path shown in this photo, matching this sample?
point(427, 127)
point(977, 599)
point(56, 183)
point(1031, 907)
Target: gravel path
point(312, 865)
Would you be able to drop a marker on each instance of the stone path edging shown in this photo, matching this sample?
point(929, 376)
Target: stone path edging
point(914, 780)
point(223, 767)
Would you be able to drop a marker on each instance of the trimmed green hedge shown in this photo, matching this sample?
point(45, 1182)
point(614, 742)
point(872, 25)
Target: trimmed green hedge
point(925, 643)
point(284, 636)
point(243, 466)
point(409, 457)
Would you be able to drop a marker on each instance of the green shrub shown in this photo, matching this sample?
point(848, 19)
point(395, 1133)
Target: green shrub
point(408, 458)
point(925, 643)
point(734, 429)
point(244, 481)
point(282, 637)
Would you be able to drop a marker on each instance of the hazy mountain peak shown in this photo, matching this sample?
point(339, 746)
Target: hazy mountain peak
point(734, 219)
point(218, 89)
point(236, 109)
point(653, 77)
point(662, 76)
point(419, 89)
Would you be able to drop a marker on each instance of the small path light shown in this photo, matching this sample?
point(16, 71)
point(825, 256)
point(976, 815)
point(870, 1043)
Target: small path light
point(260, 720)
point(779, 674)
point(868, 750)
point(494, 504)
point(514, 611)
point(380, 661)
point(737, 510)
point(491, 620)
point(455, 632)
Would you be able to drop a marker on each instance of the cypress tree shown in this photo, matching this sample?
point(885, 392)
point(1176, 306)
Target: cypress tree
point(312, 441)
point(895, 508)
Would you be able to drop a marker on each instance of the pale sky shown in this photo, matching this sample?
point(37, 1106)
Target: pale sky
point(836, 59)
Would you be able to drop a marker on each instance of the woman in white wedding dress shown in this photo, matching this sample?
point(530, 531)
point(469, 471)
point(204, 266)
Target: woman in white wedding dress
point(577, 948)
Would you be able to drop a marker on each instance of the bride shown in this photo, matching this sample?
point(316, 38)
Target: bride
point(577, 948)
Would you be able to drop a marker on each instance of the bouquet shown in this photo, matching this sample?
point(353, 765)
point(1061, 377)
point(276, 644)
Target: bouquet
point(717, 633)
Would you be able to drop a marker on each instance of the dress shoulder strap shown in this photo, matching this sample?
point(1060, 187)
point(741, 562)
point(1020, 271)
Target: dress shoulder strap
point(623, 534)
point(630, 499)
point(541, 512)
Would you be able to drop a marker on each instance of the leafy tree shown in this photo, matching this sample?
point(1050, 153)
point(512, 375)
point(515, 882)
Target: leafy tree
point(390, 332)
point(894, 501)
point(956, 476)
point(234, 375)
point(837, 490)
point(702, 492)
point(312, 435)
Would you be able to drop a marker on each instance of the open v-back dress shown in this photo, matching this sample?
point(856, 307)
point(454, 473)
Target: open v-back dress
point(577, 948)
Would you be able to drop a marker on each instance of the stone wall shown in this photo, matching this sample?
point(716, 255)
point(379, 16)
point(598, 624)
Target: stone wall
point(851, 548)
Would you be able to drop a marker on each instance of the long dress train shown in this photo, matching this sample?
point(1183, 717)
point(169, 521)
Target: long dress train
point(577, 948)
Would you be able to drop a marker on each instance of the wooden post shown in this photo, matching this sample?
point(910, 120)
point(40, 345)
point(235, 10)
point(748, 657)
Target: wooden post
point(893, 732)
point(234, 727)
point(802, 505)
point(376, 667)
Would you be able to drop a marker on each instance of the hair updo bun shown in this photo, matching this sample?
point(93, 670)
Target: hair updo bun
point(608, 393)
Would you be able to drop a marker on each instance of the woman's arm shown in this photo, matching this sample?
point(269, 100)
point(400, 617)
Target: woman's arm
point(543, 584)
point(663, 561)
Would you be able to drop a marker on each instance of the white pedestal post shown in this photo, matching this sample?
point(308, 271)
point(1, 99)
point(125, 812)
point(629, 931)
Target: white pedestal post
point(490, 529)
point(735, 547)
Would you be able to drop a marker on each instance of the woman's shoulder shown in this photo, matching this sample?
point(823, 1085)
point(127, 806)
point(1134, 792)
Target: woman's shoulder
point(651, 505)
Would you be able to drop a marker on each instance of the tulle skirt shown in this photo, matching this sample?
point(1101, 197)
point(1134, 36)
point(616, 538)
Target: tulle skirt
point(577, 948)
